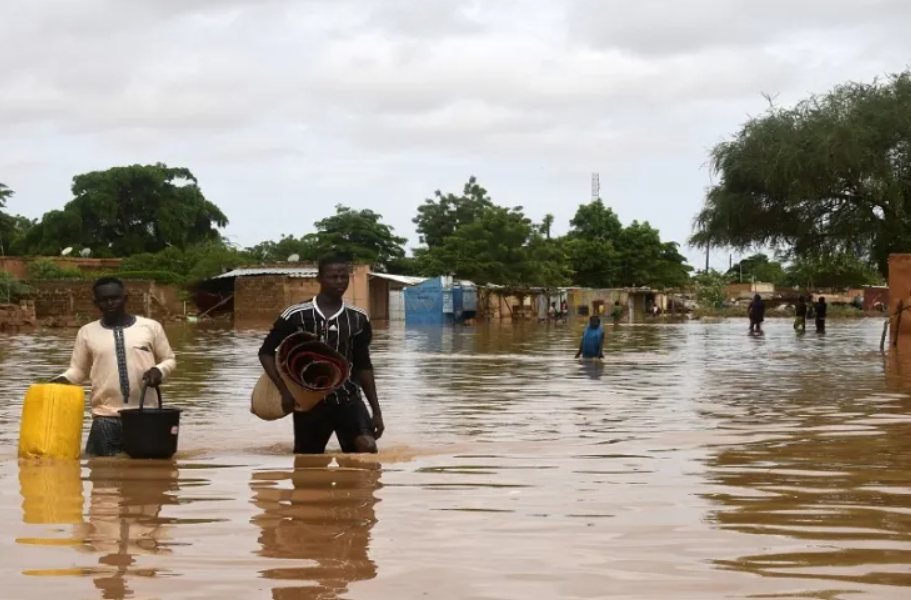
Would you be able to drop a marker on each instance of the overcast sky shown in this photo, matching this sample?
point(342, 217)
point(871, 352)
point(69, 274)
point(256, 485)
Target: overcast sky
point(284, 108)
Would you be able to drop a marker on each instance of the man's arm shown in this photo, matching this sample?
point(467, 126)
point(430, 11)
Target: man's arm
point(164, 355)
point(362, 367)
point(601, 346)
point(80, 363)
point(581, 345)
point(280, 330)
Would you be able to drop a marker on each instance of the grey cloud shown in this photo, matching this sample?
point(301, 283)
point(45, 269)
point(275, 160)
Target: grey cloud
point(659, 27)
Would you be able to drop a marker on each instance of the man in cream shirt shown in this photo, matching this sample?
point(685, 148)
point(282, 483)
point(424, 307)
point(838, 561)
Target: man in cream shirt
point(117, 354)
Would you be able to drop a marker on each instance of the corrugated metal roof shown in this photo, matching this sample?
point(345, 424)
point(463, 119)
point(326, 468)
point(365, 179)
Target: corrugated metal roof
point(289, 272)
point(403, 279)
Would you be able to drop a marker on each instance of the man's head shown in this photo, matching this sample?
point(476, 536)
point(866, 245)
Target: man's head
point(594, 322)
point(110, 296)
point(800, 299)
point(757, 298)
point(333, 274)
point(822, 300)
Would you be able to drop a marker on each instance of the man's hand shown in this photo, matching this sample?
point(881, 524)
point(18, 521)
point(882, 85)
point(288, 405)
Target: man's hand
point(61, 380)
point(578, 354)
point(288, 402)
point(378, 426)
point(152, 377)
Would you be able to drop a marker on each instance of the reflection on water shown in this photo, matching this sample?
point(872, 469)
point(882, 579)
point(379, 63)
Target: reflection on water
point(321, 516)
point(693, 462)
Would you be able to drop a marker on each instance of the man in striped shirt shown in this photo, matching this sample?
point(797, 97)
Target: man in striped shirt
point(346, 329)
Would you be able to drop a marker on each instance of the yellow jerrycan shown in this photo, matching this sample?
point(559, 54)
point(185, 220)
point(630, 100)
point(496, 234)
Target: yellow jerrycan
point(51, 424)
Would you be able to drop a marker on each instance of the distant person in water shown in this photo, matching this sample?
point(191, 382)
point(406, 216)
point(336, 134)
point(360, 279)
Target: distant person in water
point(118, 355)
point(821, 308)
point(552, 311)
point(800, 320)
point(348, 330)
point(592, 344)
point(756, 313)
point(617, 313)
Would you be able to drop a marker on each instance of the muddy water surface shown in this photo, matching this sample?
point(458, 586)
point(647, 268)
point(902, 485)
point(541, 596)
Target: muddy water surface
point(694, 463)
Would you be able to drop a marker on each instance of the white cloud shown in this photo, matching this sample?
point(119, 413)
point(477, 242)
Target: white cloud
point(295, 106)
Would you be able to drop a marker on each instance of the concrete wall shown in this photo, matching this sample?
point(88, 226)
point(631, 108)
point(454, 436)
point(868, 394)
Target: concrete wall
point(379, 299)
point(747, 290)
point(71, 302)
point(14, 317)
point(18, 266)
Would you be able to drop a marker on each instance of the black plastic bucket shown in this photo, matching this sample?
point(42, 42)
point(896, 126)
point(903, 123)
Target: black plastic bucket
point(150, 432)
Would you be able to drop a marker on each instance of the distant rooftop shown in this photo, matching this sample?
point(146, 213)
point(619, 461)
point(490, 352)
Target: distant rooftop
point(302, 273)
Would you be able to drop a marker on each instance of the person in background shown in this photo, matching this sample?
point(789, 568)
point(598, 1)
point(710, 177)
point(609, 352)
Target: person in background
point(552, 311)
point(800, 320)
point(592, 344)
point(348, 330)
point(811, 307)
point(821, 308)
point(756, 312)
point(564, 310)
point(617, 312)
point(118, 354)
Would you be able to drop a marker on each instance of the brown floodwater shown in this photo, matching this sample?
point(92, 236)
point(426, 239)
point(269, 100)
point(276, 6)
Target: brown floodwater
point(695, 463)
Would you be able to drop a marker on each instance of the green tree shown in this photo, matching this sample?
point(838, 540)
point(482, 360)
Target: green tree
point(710, 287)
point(286, 246)
point(13, 228)
point(830, 176)
point(440, 217)
point(647, 261)
point(592, 245)
point(130, 210)
point(189, 265)
point(45, 269)
point(490, 249)
point(839, 272)
point(757, 267)
point(359, 235)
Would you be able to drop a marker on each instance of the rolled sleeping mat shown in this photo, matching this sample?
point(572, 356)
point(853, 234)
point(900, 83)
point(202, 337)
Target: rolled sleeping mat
point(311, 370)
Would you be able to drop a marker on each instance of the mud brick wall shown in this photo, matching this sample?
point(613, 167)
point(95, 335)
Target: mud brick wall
point(73, 300)
point(17, 316)
point(259, 299)
point(900, 289)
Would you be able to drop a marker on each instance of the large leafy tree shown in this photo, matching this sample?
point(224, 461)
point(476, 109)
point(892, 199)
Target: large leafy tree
point(439, 217)
point(129, 210)
point(358, 234)
point(830, 176)
point(13, 228)
point(285, 247)
point(758, 267)
point(592, 245)
point(841, 272)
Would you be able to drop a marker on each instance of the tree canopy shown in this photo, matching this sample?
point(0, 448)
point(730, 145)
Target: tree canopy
point(828, 177)
point(757, 267)
point(129, 210)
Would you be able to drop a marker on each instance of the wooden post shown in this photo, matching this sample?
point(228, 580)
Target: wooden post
point(898, 323)
point(882, 341)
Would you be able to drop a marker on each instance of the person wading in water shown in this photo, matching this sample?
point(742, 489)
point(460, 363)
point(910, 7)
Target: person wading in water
point(592, 344)
point(118, 354)
point(346, 329)
point(756, 312)
point(800, 321)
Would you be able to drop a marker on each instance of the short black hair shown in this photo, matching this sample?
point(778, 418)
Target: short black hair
point(329, 260)
point(102, 281)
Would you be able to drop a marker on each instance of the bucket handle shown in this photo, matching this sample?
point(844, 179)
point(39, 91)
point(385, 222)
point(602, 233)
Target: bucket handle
point(142, 396)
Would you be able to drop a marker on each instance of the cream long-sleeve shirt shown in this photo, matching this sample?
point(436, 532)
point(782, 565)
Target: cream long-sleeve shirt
point(115, 375)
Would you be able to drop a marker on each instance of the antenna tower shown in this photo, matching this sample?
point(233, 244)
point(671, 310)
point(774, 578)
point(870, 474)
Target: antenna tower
point(596, 186)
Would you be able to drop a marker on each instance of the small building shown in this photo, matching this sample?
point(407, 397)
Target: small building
point(260, 294)
point(744, 291)
point(440, 301)
point(387, 296)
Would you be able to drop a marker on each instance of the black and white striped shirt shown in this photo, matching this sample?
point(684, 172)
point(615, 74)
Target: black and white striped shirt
point(348, 331)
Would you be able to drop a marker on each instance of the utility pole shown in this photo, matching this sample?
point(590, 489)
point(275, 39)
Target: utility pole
point(706, 258)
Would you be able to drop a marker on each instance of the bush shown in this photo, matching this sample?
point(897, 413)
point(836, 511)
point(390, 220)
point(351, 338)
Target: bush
point(45, 269)
point(11, 289)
